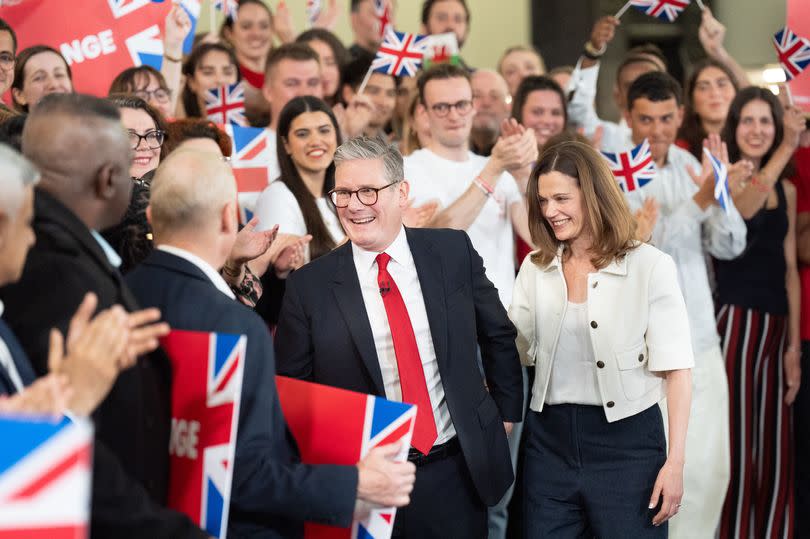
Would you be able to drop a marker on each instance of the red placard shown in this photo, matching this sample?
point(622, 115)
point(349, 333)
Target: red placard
point(798, 20)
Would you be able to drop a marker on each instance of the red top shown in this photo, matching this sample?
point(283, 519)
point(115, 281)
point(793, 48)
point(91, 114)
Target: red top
point(802, 182)
point(254, 78)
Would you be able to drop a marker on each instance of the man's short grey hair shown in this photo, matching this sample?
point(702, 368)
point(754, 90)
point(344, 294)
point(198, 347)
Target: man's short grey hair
point(367, 149)
point(16, 173)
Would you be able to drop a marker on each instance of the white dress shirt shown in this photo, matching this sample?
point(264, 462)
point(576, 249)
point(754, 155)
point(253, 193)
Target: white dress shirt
point(403, 271)
point(8, 362)
point(212, 274)
point(687, 234)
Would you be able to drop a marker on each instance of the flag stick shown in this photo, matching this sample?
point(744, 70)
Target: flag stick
point(365, 80)
point(623, 10)
point(701, 5)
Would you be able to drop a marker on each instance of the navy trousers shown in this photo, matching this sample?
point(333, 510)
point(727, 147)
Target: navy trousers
point(585, 477)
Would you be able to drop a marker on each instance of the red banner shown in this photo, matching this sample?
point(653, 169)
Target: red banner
point(98, 38)
point(798, 20)
point(207, 372)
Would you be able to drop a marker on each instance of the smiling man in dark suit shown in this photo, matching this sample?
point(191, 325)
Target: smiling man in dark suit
point(401, 313)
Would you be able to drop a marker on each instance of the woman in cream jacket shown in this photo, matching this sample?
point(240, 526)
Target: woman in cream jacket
point(602, 319)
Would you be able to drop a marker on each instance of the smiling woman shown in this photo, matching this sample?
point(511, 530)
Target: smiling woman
point(39, 70)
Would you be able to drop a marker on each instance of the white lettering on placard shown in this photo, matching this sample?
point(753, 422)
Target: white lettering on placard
point(184, 438)
point(88, 47)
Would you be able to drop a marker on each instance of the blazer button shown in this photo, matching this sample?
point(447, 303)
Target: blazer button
point(610, 404)
point(600, 364)
point(640, 358)
point(594, 325)
point(595, 284)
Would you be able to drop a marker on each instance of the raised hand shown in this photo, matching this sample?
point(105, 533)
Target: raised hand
point(177, 27)
point(711, 34)
point(355, 117)
point(603, 31)
point(419, 216)
point(328, 17)
point(283, 24)
point(251, 244)
point(646, 217)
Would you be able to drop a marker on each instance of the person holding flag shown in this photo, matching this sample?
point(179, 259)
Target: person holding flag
point(689, 225)
point(758, 297)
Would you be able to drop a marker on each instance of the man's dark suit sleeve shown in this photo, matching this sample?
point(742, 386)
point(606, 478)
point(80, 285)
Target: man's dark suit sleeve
point(293, 340)
point(267, 483)
point(496, 337)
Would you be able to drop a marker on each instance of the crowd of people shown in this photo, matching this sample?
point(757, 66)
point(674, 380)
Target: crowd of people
point(587, 361)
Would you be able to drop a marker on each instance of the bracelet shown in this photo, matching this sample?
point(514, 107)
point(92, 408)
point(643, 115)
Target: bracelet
point(172, 58)
point(759, 186)
point(484, 186)
point(591, 52)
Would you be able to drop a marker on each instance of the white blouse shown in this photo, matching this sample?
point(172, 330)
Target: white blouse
point(278, 206)
point(573, 373)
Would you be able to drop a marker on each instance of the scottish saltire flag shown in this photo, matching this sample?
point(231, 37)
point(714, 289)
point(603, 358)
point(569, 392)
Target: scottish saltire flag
point(666, 10)
point(383, 10)
point(314, 8)
point(229, 7)
point(250, 160)
point(793, 52)
point(634, 168)
point(721, 189)
point(226, 104)
point(45, 472)
point(192, 8)
point(207, 371)
point(400, 54)
point(335, 426)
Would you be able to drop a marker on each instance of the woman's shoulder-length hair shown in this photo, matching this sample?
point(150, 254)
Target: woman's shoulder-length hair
point(606, 215)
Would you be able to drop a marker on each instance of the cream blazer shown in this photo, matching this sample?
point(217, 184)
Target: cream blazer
point(638, 327)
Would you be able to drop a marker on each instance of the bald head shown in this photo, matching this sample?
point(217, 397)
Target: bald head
point(16, 174)
point(189, 192)
point(490, 99)
point(80, 146)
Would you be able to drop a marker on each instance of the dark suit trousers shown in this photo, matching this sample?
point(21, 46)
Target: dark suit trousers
point(444, 504)
point(585, 477)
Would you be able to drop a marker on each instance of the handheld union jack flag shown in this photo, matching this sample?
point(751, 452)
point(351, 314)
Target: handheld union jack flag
point(793, 51)
point(633, 169)
point(400, 54)
point(226, 105)
point(208, 368)
point(313, 11)
point(382, 8)
point(45, 478)
point(229, 7)
point(250, 160)
point(721, 189)
point(335, 426)
point(666, 10)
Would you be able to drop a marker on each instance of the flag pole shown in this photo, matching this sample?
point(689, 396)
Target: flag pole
point(623, 10)
point(789, 94)
point(365, 80)
point(701, 5)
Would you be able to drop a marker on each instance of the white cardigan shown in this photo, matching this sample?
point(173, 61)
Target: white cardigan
point(638, 327)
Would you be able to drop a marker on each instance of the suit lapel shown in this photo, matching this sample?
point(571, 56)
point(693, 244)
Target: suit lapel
point(431, 274)
point(350, 302)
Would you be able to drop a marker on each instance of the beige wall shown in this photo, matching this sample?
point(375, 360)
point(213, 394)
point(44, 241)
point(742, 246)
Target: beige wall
point(496, 24)
point(750, 27)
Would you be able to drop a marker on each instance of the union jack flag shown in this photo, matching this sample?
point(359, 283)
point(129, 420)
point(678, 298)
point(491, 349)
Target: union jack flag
point(313, 11)
point(208, 368)
point(45, 478)
point(226, 105)
point(666, 10)
point(250, 161)
point(793, 52)
point(335, 426)
point(383, 10)
point(229, 7)
point(400, 54)
point(721, 192)
point(633, 169)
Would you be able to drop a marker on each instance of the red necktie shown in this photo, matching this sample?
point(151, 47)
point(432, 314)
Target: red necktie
point(409, 364)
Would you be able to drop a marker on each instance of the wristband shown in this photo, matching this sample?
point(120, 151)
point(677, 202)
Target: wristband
point(759, 186)
point(487, 188)
point(591, 52)
point(172, 58)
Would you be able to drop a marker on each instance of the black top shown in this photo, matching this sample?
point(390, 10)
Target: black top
point(756, 279)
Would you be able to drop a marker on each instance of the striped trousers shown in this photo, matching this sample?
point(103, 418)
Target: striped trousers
point(759, 503)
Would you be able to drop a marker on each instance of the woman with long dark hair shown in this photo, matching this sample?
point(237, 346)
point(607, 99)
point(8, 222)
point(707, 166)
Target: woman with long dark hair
point(210, 65)
point(334, 57)
point(297, 201)
point(758, 320)
point(709, 92)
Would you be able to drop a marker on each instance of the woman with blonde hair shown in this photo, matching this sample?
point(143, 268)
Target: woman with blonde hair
point(602, 319)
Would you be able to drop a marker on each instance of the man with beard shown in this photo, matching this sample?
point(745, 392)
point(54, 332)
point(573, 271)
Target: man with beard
point(491, 99)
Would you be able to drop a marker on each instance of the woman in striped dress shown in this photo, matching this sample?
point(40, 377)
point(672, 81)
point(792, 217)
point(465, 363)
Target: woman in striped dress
point(758, 321)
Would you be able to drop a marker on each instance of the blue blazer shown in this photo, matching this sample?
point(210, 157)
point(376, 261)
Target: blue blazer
point(273, 492)
point(324, 335)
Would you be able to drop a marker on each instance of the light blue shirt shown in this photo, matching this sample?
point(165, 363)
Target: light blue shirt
point(109, 252)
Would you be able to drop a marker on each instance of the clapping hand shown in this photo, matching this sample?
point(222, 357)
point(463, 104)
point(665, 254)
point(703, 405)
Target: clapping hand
point(646, 217)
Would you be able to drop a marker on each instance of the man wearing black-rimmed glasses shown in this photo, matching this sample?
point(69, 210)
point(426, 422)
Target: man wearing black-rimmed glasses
point(400, 313)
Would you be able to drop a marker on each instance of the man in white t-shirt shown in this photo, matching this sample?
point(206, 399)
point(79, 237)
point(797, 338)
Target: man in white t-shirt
point(475, 194)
